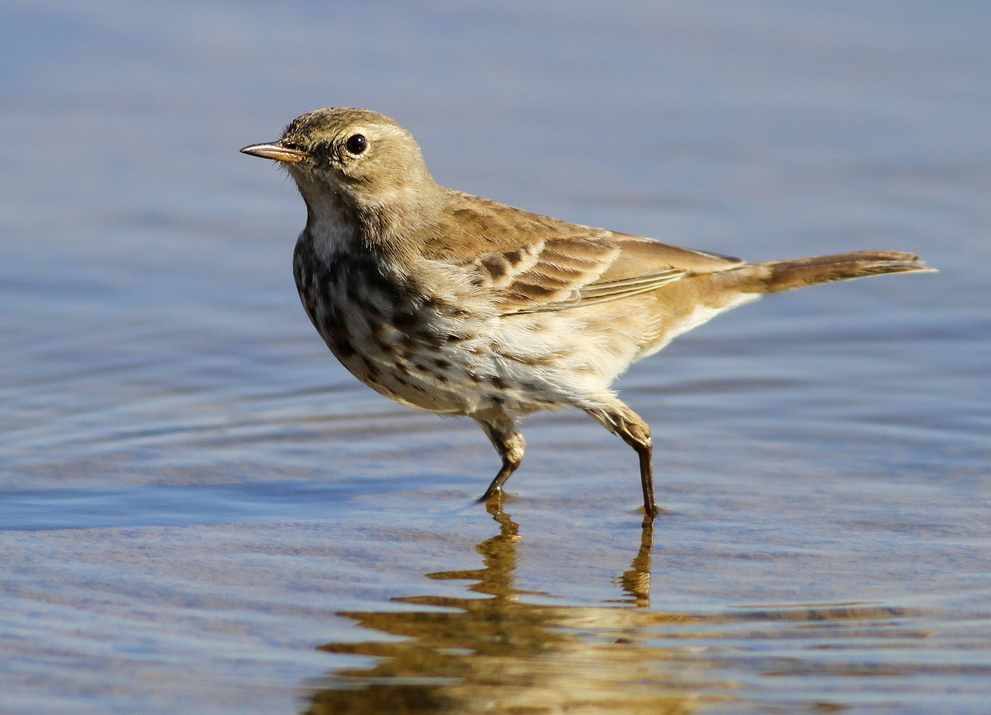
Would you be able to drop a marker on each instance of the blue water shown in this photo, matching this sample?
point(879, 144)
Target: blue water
point(202, 512)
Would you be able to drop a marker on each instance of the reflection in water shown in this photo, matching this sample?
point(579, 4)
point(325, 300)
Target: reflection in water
point(500, 654)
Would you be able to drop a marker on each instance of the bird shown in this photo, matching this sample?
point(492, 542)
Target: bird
point(461, 305)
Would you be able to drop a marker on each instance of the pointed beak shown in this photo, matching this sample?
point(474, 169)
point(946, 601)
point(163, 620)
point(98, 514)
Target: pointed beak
point(276, 153)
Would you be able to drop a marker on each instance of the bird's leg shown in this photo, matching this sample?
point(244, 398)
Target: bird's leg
point(510, 445)
point(620, 419)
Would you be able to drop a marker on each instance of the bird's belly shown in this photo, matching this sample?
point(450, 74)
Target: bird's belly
point(462, 378)
point(410, 350)
point(441, 359)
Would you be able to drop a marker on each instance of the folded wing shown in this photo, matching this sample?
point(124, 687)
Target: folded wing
point(538, 264)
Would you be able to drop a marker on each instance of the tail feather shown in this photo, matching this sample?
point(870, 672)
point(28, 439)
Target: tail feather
point(780, 276)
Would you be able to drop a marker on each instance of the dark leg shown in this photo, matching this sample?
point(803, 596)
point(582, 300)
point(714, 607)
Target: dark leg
point(646, 454)
point(620, 419)
point(510, 445)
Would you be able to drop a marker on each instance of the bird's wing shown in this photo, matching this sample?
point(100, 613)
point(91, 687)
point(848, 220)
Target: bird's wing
point(635, 265)
point(538, 264)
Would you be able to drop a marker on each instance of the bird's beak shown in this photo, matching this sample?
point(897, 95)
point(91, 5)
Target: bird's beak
point(276, 153)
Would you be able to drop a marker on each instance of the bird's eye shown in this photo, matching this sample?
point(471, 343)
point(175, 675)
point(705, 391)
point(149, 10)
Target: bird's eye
point(356, 143)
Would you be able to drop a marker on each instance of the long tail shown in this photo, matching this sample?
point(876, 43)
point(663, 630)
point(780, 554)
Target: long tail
point(780, 276)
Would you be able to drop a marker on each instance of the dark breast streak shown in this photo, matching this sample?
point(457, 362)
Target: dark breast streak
point(387, 334)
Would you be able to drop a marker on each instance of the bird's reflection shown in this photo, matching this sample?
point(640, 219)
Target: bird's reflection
point(505, 650)
point(501, 654)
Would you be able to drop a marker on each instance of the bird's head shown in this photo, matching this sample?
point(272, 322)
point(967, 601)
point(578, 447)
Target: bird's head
point(353, 157)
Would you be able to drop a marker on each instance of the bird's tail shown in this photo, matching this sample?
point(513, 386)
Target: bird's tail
point(780, 276)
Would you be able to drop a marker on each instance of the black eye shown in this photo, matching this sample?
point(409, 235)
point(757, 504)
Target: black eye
point(356, 143)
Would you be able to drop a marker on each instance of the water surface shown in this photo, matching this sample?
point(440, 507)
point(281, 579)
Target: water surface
point(201, 511)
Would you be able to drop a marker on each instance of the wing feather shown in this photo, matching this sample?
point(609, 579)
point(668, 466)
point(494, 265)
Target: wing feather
point(533, 263)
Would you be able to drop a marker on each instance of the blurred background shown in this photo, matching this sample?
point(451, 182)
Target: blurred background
point(201, 511)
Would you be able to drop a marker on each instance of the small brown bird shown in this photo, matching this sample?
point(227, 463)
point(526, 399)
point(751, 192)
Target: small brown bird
point(464, 306)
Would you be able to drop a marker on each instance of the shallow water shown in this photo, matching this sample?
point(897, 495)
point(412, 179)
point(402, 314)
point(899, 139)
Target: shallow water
point(200, 511)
